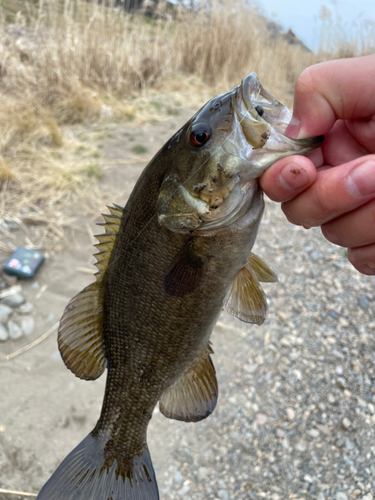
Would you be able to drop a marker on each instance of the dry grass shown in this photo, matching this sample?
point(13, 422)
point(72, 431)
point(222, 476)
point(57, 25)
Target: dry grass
point(63, 61)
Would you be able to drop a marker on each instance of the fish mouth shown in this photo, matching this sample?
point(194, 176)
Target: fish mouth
point(257, 110)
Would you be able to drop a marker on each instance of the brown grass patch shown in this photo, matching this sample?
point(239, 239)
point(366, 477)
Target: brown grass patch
point(69, 61)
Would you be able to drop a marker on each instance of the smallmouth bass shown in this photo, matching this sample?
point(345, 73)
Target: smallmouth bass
point(167, 263)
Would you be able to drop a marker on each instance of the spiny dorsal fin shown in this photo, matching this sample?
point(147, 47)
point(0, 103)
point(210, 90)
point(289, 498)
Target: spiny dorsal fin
point(107, 240)
point(80, 336)
point(193, 396)
point(262, 270)
point(246, 299)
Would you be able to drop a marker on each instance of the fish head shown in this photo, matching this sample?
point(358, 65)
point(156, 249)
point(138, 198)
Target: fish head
point(219, 153)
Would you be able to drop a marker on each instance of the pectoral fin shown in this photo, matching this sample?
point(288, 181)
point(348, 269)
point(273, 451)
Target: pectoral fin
point(246, 299)
point(262, 270)
point(192, 397)
point(185, 272)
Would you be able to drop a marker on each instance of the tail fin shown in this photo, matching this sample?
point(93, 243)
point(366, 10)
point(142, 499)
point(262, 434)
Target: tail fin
point(84, 476)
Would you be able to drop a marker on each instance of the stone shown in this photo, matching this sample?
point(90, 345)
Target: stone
point(301, 445)
point(15, 332)
point(10, 280)
point(314, 433)
point(5, 312)
point(339, 370)
point(178, 477)
point(363, 302)
point(223, 494)
point(261, 418)
point(27, 324)
point(4, 335)
point(202, 473)
point(308, 479)
point(341, 496)
point(290, 414)
point(346, 423)
point(26, 308)
point(14, 300)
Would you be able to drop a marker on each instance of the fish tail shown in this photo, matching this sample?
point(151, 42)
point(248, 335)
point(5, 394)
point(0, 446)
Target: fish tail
point(88, 474)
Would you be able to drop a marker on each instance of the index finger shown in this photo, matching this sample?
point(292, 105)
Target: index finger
point(326, 92)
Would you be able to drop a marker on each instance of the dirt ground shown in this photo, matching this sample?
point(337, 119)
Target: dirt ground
point(45, 411)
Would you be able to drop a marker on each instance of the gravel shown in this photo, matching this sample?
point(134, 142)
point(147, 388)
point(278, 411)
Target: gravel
point(295, 417)
point(15, 331)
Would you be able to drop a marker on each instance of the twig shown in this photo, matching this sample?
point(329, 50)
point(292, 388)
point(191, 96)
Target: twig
point(11, 291)
point(41, 291)
point(22, 493)
point(33, 344)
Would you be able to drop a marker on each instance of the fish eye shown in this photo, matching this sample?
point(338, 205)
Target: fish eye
point(259, 110)
point(199, 135)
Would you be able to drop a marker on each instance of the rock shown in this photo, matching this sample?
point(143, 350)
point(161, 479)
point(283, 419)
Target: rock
point(27, 325)
point(223, 495)
point(5, 312)
point(14, 300)
point(15, 331)
point(261, 418)
point(371, 408)
point(178, 477)
point(4, 335)
point(313, 433)
point(339, 370)
point(290, 414)
point(26, 308)
point(363, 302)
point(250, 368)
point(300, 445)
point(341, 496)
point(10, 280)
point(185, 488)
point(280, 433)
point(308, 479)
point(346, 423)
point(202, 473)
point(314, 256)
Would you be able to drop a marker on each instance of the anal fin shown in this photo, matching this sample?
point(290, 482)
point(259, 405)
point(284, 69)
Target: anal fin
point(193, 396)
point(246, 299)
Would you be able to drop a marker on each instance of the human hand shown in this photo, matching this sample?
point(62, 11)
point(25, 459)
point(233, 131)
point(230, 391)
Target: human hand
point(335, 187)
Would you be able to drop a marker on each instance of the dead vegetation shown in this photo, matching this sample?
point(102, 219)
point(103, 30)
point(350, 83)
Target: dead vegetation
point(67, 61)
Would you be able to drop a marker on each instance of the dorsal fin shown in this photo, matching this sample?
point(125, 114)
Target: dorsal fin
point(246, 299)
point(262, 270)
point(80, 335)
point(193, 396)
point(107, 240)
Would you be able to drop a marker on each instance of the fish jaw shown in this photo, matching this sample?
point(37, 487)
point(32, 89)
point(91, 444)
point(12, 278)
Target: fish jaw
point(258, 110)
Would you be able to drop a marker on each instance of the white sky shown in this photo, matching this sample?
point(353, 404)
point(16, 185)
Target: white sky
point(303, 16)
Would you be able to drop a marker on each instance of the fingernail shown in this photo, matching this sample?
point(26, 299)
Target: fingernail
point(293, 177)
point(361, 181)
point(293, 128)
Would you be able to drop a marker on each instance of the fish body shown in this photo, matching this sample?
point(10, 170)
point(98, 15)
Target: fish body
point(167, 263)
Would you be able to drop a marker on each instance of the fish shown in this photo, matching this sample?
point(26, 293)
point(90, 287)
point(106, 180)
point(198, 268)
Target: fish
point(168, 262)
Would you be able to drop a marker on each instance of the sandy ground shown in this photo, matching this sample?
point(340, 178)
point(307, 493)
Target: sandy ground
point(45, 411)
